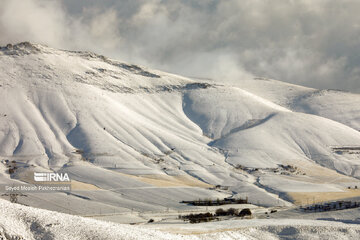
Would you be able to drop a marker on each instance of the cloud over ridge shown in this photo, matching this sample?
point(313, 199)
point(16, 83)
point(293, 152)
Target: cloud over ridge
point(312, 43)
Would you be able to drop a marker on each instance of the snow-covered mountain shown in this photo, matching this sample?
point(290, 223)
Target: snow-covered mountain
point(135, 138)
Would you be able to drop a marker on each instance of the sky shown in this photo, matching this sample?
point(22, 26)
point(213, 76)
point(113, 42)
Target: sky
point(313, 43)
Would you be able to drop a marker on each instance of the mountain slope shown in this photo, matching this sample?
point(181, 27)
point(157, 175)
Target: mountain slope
point(150, 139)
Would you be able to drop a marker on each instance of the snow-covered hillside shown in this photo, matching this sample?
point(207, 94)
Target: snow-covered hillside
point(136, 139)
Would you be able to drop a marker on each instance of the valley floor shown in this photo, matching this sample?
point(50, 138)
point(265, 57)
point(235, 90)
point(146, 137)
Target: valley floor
point(21, 222)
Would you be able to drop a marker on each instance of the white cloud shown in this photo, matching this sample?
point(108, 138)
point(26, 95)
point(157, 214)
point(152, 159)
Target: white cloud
point(47, 22)
point(40, 21)
point(314, 43)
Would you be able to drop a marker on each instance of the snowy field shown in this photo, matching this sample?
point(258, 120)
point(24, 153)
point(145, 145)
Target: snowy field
point(20, 222)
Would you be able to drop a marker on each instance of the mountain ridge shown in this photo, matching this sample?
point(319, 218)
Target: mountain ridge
point(114, 125)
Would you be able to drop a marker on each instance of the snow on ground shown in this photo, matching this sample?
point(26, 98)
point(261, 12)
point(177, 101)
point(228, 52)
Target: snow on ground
point(20, 222)
point(337, 105)
point(136, 139)
point(30, 223)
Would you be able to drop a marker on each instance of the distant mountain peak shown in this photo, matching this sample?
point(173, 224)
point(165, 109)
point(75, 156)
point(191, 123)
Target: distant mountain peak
point(23, 48)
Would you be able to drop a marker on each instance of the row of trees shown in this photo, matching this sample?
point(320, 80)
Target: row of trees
point(207, 217)
point(217, 202)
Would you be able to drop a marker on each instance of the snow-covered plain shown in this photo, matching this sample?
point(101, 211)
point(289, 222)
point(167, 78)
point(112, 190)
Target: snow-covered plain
point(134, 139)
point(21, 222)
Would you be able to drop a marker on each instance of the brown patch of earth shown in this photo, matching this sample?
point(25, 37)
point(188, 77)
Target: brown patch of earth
point(303, 198)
